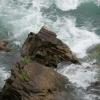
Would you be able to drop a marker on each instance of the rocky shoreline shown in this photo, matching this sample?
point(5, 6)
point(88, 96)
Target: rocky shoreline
point(33, 77)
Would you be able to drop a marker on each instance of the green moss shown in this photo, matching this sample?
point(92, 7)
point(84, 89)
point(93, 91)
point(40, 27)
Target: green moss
point(24, 76)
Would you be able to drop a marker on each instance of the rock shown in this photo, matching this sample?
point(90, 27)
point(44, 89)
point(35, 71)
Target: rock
point(46, 35)
point(32, 78)
point(47, 49)
point(94, 53)
point(34, 81)
point(3, 46)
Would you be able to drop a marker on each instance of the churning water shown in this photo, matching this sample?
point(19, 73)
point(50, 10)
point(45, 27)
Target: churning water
point(76, 23)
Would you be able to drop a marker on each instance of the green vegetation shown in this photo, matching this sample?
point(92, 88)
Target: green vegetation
point(24, 76)
point(25, 60)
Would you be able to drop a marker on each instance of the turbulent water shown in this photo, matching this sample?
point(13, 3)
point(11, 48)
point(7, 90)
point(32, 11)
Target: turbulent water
point(76, 22)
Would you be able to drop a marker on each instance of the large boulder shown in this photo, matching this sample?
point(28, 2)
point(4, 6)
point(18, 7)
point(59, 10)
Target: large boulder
point(47, 49)
point(32, 78)
point(34, 81)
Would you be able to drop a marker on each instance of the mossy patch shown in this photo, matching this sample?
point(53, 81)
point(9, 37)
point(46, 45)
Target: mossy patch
point(24, 76)
point(25, 60)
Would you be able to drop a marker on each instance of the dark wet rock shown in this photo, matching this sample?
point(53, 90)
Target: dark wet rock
point(4, 46)
point(47, 49)
point(34, 81)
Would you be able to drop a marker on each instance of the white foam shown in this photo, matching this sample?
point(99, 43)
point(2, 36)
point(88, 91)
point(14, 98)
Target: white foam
point(80, 76)
point(67, 5)
point(19, 19)
point(97, 2)
point(43, 3)
point(79, 39)
point(3, 76)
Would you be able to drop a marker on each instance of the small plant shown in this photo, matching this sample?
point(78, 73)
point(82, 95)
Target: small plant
point(25, 60)
point(24, 76)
